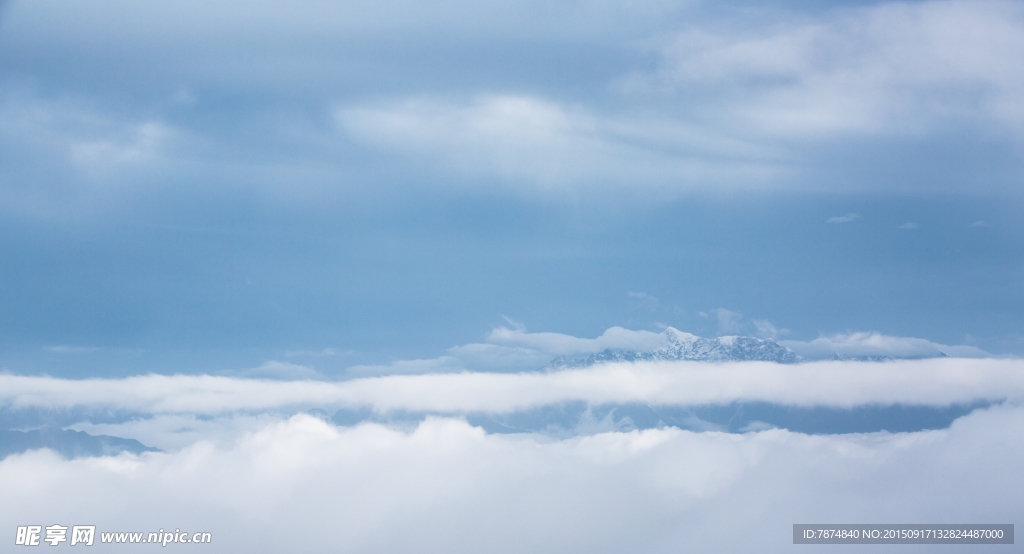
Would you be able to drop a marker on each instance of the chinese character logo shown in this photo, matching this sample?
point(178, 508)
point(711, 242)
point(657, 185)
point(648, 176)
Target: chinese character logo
point(28, 535)
point(56, 534)
point(83, 534)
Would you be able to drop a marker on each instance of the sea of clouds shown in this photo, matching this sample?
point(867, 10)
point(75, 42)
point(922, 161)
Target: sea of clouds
point(241, 463)
point(304, 484)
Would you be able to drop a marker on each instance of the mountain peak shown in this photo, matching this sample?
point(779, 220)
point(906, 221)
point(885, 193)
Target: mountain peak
point(674, 335)
point(685, 346)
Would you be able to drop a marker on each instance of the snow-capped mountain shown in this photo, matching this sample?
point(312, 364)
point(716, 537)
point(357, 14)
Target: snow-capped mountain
point(684, 346)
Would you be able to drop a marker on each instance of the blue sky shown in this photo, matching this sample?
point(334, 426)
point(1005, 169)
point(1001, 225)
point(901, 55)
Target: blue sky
point(194, 188)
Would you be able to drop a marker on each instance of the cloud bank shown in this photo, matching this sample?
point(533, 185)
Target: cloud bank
point(737, 103)
point(511, 349)
point(692, 101)
point(934, 382)
point(303, 484)
point(560, 344)
point(892, 68)
point(861, 345)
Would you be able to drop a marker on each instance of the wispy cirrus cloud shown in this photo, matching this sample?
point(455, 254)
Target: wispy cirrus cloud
point(81, 136)
point(540, 143)
point(67, 349)
point(766, 329)
point(729, 322)
point(469, 357)
point(852, 216)
point(273, 369)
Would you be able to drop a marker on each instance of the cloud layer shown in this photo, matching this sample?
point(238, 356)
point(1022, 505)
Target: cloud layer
point(302, 484)
point(560, 344)
point(683, 98)
point(934, 382)
point(862, 345)
point(532, 141)
point(904, 68)
point(739, 103)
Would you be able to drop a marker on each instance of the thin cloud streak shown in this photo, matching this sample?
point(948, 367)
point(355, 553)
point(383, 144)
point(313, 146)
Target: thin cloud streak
point(852, 216)
point(878, 345)
point(935, 382)
point(544, 145)
point(561, 344)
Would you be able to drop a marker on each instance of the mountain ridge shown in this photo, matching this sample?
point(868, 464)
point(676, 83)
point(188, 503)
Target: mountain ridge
point(68, 443)
point(685, 346)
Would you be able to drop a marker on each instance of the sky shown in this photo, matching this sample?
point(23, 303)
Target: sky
point(223, 224)
point(195, 188)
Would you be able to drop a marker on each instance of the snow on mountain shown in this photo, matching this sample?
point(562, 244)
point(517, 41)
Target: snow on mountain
point(685, 346)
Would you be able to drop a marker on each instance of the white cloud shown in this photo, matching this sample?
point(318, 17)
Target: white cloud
point(852, 216)
point(89, 139)
point(755, 426)
point(935, 382)
point(74, 157)
point(470, 357)
point(908, 225)
point(643, 300)
point(446, 486)
point(529, 140)
point(176, 431)
point(891, 68)
point(729, 322)
point(875, 344)
point(444, 364)
point(767, 330)
point(62, 349)
point(979, 223)
point(559, 344)
point(732, 104)
point(141, 144)
point(320, 353)
point(273, 369)
point(492, 357)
